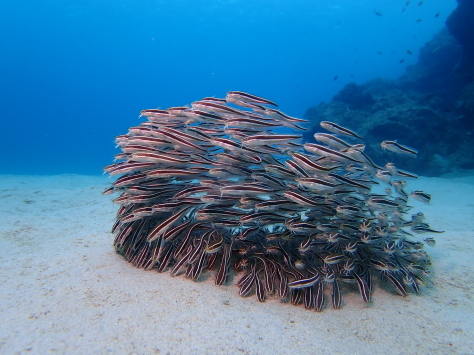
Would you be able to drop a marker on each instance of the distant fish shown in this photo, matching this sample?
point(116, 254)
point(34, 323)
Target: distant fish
point(424, 229)
point(409, 51)
point(379, 52)
point(420, 3)
point(395, 147)
point(419, 20)
point(407, 3)
point(335, 77)
point(421, 196)
point(378, 13)
point(437, 15)
point(402, 60)
point(430, 241)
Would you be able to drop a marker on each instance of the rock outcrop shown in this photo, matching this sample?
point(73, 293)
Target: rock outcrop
point(431, 105)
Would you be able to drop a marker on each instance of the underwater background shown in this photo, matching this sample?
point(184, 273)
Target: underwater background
point(76, 73)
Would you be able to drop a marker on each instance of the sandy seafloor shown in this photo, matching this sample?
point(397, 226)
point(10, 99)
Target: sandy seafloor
point(64, 290)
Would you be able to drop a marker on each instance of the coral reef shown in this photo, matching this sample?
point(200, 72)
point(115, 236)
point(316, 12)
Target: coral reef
point(431, 106)
point(461, 25)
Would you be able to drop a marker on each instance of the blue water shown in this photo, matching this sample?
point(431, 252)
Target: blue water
point(76, 73)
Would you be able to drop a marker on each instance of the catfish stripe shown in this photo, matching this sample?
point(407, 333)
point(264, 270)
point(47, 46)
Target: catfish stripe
point(319, 297)
point(213, 107)
point(176, 138)
point(126, 167)
point(363, 287)
point(311, 165)
point(245, 189)
point(182, 134)
point(396, 147)
point(308, 282)
point(158, 157)
point(280, 115)
point(167, 173)
point(336, 295)
point(331, 140)
point(296, 168)
point(262, 139)
point(300, 199)
point(243, 96)
point(164, 226)
point(328, 152)
point(343, 179)
point(335, 128)
point(251, 122)
point(279, 170)
point(224, 266)
point(421, 196)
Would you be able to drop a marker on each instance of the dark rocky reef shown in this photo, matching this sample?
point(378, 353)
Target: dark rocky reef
point(430, 107)
point(461, 26)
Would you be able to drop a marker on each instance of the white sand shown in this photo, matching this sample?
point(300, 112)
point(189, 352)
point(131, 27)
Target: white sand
point(64, 290)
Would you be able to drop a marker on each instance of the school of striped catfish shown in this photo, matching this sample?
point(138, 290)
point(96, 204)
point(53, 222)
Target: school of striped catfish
point(229, 185)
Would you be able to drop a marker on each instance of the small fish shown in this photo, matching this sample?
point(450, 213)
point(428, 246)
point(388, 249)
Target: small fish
point(384, 175)
point(348, 210)
point(430, 241)
point(214, 247)
point(406, 174)
point(296, 168)
point(419, 20)
point(346, 180)
point(253, 123)
point(335, 128)
point(396, 147)
point(409, 52)
point(424, 229)
point(154, 113)
point(300, 199)
point(401, 60)
point(316, 184)
point(263, 139)
point(378, 13)
point(215, 108)
point(421, 196)
point(243, 96)
point(399, 286)
point(169, 173)
point(437, 15)
point(335, 78)
point(321, 150)
point(164, 226)
point(420, 3)
point(383, 204)
point(398, 186)
point(334, 259)
point(303, 283)
point(307, 163)
point(364, 288)
point(332, 141)
point(242, 190)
